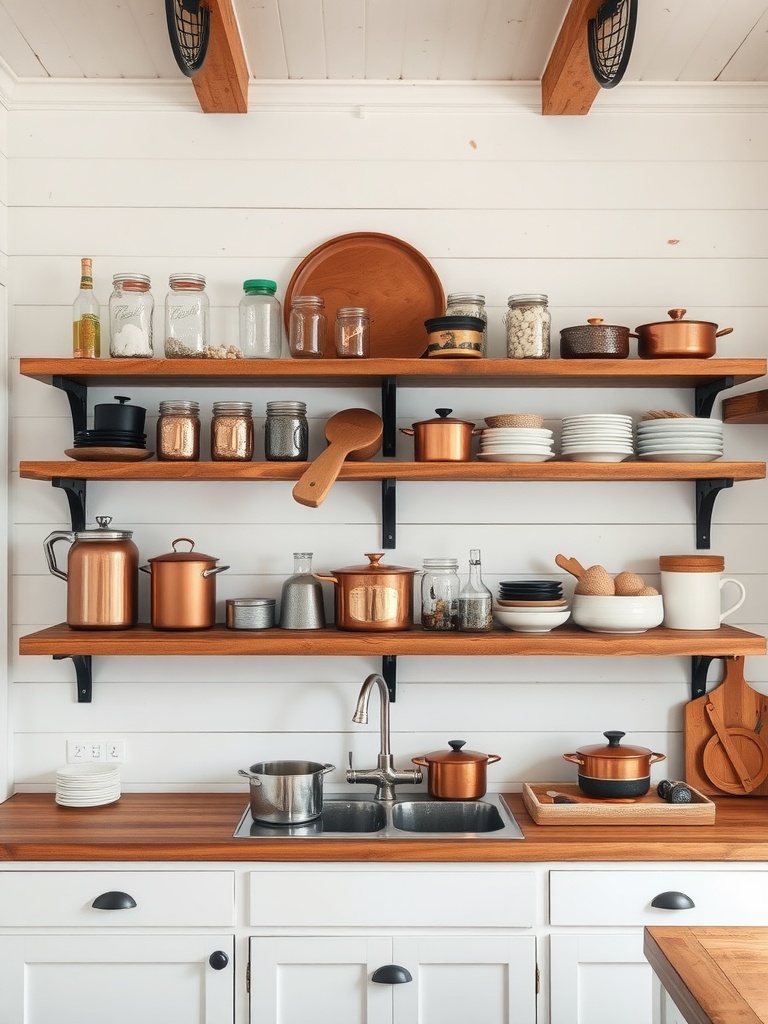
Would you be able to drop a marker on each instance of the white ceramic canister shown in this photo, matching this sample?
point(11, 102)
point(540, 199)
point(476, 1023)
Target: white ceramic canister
point(691, 587)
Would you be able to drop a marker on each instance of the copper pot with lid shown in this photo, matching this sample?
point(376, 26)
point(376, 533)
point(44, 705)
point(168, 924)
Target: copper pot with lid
point(456, 774)
point(612, 770)
point(678, 338)
point(373, 596)
point(442, 439)
point(183, 588)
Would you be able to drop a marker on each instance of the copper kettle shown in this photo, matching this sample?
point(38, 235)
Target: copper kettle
point(101, 576)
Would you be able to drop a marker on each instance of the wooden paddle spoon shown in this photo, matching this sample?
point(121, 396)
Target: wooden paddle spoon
point(570, 565)
point(351, 434)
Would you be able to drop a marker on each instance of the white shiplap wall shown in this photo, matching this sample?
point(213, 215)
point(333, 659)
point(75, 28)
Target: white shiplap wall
point(619, 215)
point(5, 748)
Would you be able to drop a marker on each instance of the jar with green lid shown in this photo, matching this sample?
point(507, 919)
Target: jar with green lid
point(469, 304)
point(261, 329)
point(527, 321)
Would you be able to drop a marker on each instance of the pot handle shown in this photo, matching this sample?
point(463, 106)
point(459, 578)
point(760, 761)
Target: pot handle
point(421, 761)
point(492, 758)
point(477, 430)
point(254, 779)
point(328, 768)
point(407, 430)
point(212, 572)
point(656, 757)
point(634, 334)
point(50, 540)
point(146, 568)
point(327, 576)
point(725, 330)
point(574, 758)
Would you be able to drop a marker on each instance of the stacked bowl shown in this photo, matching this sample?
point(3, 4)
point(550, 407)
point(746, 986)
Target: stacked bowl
point(680, 439)
point(516, 437)
point(531, 606)
point(597, 437)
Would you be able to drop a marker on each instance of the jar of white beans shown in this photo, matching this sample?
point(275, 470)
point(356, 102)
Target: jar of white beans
point(527, 321)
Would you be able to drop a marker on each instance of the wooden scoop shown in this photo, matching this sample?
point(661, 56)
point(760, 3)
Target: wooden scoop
point(351, 434)
point(570, 565)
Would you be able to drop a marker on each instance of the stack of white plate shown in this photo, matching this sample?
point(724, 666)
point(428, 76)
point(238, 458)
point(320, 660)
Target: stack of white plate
point(516, 444)
point(87, 785)
point(680, 439)
point(598, 437)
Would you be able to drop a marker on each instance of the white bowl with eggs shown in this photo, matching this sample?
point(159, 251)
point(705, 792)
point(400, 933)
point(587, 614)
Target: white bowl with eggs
point(630, 613)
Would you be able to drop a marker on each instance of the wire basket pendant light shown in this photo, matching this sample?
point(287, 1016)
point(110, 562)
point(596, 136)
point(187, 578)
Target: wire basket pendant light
point(609, 40)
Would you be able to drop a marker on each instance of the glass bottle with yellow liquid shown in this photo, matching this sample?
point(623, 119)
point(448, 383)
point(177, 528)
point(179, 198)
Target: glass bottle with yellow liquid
point(86, 319)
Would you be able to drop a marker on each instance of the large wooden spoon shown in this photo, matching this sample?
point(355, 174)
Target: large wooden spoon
point(570, 565)
point(351, 434)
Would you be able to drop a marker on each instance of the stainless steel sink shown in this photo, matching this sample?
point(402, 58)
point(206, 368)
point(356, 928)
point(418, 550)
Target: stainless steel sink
point(412, 817)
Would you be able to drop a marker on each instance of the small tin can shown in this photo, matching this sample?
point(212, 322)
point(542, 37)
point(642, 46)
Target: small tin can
point(250, 613)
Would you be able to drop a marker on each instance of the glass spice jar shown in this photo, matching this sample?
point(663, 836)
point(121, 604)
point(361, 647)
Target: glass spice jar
point(286, 432)
point(440, 587)
point(178, 432)
point(353, 332)
point(232, 432)
point(130, 316)
point(469, 304)
point(186, 317)
point(307, 327)
point(527, 321)
point(475, 600)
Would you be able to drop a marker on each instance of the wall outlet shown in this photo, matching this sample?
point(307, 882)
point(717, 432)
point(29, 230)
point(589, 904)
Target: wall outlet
point(90, 751)
point(115, 751)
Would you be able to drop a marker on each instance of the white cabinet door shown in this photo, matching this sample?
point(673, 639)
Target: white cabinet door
point(137, 979)
point(455, 980)
point(599, 979)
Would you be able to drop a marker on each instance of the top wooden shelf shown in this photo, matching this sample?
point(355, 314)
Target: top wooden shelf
point(595, 373)
point(750, 408)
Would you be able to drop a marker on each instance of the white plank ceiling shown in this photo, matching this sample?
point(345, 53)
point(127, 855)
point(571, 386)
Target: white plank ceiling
point(381, 40)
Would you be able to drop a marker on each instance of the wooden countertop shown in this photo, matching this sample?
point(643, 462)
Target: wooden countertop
point(199, 827)
point(714, 975)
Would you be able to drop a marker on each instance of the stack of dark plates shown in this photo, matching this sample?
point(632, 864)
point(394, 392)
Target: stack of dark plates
point(109, 439)
point(517, 593)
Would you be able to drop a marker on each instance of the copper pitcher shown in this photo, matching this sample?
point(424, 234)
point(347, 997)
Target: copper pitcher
point(101, 576)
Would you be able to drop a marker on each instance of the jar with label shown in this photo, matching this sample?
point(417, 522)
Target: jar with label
point(186, 317)
point(469, 304)
point(232, 432)
point(130, 316)
point(178, 432)
point(260, 313)
point(475, 600)
point(353, 332)
point(440, 587)
point(527, 321)
point(286, 432)
point(307, 327)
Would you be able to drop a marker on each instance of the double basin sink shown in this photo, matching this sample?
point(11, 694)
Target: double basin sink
point(414, 816)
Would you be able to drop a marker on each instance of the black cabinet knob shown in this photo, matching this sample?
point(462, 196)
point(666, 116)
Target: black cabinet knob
point(218, 960)
point(672, 900)
point(114, 900)
point(391, 974)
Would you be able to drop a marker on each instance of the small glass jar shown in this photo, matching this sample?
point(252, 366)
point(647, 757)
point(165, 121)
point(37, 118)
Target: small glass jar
point(186, 317)
point(469, 304)
point(306, 327)
point(475, 600)
point(130, 316)
point(261, 329)
point(527, 321)
point(232, 432)
point(178, 432)
point(353, 332)
point(286, 432)
point(440, 587)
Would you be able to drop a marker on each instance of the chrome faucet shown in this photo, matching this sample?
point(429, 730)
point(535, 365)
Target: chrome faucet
point(384, 776)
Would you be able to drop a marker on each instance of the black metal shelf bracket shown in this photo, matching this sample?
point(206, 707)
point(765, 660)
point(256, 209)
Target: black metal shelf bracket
point(75, 492)
point(389, 674)
point(389, 416)
point(78, 401)
point(388, 512)
point(706, 492)
point(706, 394)
point(699, 668)
point(83, 674)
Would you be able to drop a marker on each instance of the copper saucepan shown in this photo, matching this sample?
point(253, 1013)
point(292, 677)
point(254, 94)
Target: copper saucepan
point(183, 588)
point(456, 774)
point(612, 770)
point(442, 439)
point(373, 596)
point(678, 338)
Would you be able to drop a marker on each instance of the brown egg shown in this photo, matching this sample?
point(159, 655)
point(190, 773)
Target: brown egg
point(646, 592)
point(595, 581)
point(627, 583)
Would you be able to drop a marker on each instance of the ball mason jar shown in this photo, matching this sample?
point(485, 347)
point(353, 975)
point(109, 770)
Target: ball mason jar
point(440, 586)
point(186, 317)
point(469, 304)
point(130, 316)
point(232, 432)
point(353, 332)
point(178, 431)
point(527, 321)
point(307, 327)
point(286, 432)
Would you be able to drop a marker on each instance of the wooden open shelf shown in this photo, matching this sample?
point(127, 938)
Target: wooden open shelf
point(750, 408)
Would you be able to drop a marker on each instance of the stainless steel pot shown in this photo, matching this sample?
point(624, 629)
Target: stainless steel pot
point(612, 770)
point(183, 588)
point(456, 774)
point(286, 792)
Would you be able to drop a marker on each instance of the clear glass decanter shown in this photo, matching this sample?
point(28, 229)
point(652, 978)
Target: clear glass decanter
point(475, 600)
point(301, 602)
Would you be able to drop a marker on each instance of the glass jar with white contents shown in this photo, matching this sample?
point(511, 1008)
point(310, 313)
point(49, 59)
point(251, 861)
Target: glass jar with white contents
point(130, 316)
point(186, 317)
point(469, 304)
point(527, 321)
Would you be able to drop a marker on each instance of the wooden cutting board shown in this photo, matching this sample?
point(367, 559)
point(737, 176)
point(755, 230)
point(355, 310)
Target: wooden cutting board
point(738, 764)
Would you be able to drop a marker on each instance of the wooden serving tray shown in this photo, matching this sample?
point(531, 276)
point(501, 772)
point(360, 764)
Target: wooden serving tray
point(646, 810)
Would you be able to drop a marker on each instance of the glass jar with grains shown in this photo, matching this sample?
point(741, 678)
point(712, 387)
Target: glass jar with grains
point(232, 432)
point(440, 587)
point(469, 304)
point(527, 321)
point(186, 317)
point(130, 316)
point(178, 432)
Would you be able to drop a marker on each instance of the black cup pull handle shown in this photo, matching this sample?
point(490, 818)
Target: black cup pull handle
point(114, 900)
point(391, 974)
point(673, 900)
point(218, 960)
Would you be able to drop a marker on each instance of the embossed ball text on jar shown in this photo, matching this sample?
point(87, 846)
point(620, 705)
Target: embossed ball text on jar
point(186, 317)
point(232, 432)
point(130, 316)
point(307, 327)
point(178, 431)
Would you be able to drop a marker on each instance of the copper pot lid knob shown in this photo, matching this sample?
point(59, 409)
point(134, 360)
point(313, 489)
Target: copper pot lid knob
point(443, 413)
point(614, 738)
point(595, 320)
point(677, 314)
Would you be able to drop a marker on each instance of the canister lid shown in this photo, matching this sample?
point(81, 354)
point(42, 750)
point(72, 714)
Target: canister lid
point(260, 285)
point(232, 408)
point(443, 417)
point(527, 299)
point(474, 298)
point(613, 748)
point(140, 279)
point(374, 567)
point(691, 563)
point(184, 556)
point(456, 755)
point(195, 281)
point(180, 407)
point(103, 532)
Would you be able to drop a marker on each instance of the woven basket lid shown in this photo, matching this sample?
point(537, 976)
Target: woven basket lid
point(691, 563)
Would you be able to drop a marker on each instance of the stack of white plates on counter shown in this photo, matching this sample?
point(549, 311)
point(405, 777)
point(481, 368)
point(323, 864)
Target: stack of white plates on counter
point(87, 785)
point(516, 444)
point(597, 437)
point(680, 439)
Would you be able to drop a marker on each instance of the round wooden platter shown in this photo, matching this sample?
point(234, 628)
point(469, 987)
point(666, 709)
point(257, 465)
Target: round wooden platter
point(108, 454)
point(387, 276)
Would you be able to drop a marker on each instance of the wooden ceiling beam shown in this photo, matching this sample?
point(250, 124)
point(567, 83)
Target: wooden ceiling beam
point(222, 83)
point(568, 85)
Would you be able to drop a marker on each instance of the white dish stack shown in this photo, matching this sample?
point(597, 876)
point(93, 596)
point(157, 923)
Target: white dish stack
point(516, 444)
point(87, 785)
point(598, 437)
point(680, 439)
